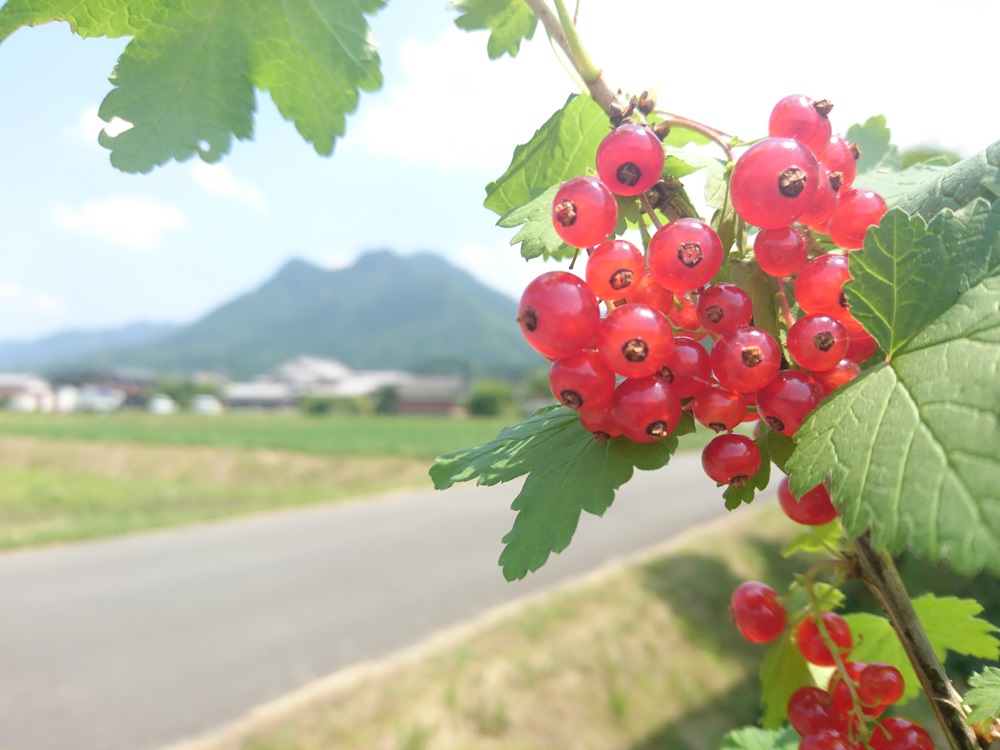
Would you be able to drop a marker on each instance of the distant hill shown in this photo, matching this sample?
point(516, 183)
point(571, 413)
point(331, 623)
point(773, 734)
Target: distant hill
point(415, 312)
point(100, 346)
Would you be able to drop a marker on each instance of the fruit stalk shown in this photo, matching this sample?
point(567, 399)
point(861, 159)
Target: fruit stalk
point(879, 573)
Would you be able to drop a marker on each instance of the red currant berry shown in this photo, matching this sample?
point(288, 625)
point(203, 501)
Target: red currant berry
point(685, 254)
point(758, 614)
point(880, 685)
point(814, 508)
point(821, 209)
point(826, 740)
point(719, 408)
point(723, 307)
point(801, 118)
point(810, 710)
point(614, 268)
point(774, 182)
point(646, 409)
point(688, 368)
point(811, 644)
point(819, 286)
point(781, 251)
point(817, 342)
point(648, 292)
point(841, 157)
point(635, 340)
point(558, 314)
point(630, 159)
point(856, 211)
point(786, 401)
point(600, 423)
point(842, 373)
point(861, 347)
point(584, 212)
point(731, 458)
point(582, 381)
point(746, 359)
point(839, 690)
point(898, 733)
point(684, 316)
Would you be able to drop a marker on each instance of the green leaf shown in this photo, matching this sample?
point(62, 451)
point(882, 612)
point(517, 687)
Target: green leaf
point(913, 444)
point(509, 22)
point(984, 698)
point(895, 187)
point(564, 147)
point(763, 290)
point(783, 672)
point(567, 472)
point(951, 624)
point(971, 179)
point(186, 80)
point(754, 738)
point(815, 539)
point(877, 151)
point(537, 235)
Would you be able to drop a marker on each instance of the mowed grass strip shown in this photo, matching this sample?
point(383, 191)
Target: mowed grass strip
point(340, 434)
point(644, 658)
point(64, 490)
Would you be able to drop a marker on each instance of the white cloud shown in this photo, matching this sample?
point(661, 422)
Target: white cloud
point(130, 222)
point(216, 178)
point(11, 290)
point(89, 125)
point(48, 303)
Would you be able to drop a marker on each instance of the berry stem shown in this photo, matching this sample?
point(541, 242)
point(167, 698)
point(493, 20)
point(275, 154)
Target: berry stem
point(879, 573)
point(650, 211)
point(786, 309)
point(723, 139)
point(563, 31)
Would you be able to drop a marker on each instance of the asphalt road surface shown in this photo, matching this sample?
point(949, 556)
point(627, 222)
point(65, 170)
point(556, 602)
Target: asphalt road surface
point(140, 642)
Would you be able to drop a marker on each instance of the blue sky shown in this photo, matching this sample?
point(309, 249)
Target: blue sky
point(86, 246)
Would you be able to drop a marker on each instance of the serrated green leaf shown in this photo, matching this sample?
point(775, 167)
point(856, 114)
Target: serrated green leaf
point(780, 447)
point(567, 472)
point(969, 180)
point(984, 698)
point(564, 147)
point(755, 738)
point(896, 187)
point(874, 140)
point(783, 672)
point(815, 539)
point(508, 21)
point(950, 623)
point(737, 496)
point(913, 444)
point(798, 605)
point(537, 235)
point(186, 80)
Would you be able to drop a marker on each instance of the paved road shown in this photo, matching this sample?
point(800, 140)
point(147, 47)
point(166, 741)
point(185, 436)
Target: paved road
point(136, 643)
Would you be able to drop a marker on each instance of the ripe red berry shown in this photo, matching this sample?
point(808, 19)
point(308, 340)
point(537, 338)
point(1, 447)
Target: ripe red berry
point(758, 614)
point(646, 409)
point(774, 182)
point(614, 268)
point(811, 644)
point(856, 211)
point(723, 307)
point(558, 314)
point(582, 381)
point(684, 316)
point(648, 292)
point(817, 342)
point(600, 423)
point(688, 369)
point(810, 710)
point(897, 733)
point(861, 347)
point(803, 119)
point(781, 251)
point(839, 690)
point(745, 360)
point(814, 508)
point(584, 212)
point(685, 254)
point(630, 159)
point(719, 408)
point(880, 684)
point(819, 286)
point(827, 740)
point(787, 400)
point(841, 157)
point(731, 458)
point(635, 340)
point(843, 372)
point(821, 209)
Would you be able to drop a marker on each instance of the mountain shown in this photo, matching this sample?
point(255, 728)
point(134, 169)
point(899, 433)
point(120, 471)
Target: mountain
point(386, 311)
point(100, 346)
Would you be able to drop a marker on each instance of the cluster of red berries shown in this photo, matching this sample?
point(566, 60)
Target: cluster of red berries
point(633, 370)
point(838, 717)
